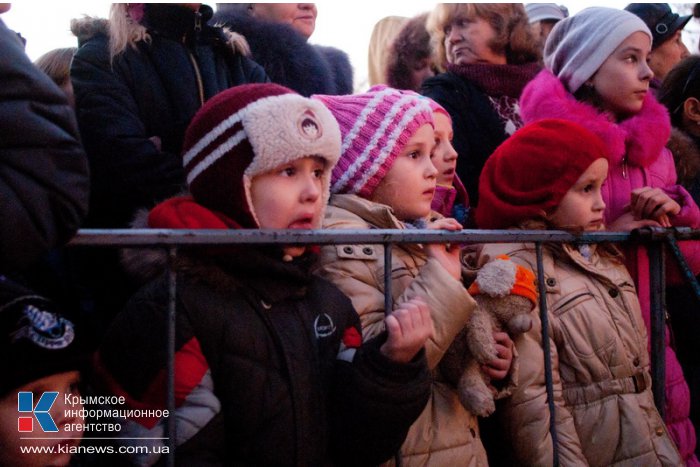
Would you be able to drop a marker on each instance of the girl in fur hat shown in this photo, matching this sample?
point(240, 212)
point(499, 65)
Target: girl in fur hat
point(597, 75)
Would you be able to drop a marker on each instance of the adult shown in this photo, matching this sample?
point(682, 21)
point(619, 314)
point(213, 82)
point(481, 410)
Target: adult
point(680, 93)
point(667, 48)
point(139, 78)
point(543, 17)
point(56, 64)
point(490, 54)
point(44, 181)
point(278, 35)
point(137, 85)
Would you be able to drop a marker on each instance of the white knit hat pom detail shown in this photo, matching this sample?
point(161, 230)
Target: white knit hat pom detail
point(497, 278)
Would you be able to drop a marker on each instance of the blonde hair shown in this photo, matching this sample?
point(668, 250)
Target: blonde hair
point(123, 30)
point(514, 36)
point(56, 63)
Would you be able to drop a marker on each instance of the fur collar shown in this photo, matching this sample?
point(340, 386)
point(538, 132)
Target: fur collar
point(640, 138)
point(686, 155)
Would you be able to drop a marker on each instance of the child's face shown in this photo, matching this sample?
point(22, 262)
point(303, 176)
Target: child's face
point(582, 206)
point(622, 81)
point(409, 185)
point(10, 442)
point(290, 197)
point(444, 155)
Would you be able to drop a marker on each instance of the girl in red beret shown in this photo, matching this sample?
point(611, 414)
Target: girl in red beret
point(549, 175)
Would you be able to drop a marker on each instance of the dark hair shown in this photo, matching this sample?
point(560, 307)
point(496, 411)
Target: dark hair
point(411, 46)
point(682, 82)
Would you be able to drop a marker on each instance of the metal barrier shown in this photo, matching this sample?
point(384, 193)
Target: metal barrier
point(172, 240)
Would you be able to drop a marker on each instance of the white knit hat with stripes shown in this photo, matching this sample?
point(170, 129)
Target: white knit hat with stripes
point(249, 130)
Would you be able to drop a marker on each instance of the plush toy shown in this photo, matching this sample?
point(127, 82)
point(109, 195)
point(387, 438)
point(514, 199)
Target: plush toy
point(506, 294)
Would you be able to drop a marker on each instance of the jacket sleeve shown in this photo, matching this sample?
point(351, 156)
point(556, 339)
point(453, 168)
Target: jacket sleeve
point(44, 184)
point(449, 302)
point(128, 168)
point(375, 402)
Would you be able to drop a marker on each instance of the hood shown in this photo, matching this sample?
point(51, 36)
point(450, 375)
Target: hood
point(641, 138)
point(87, 27)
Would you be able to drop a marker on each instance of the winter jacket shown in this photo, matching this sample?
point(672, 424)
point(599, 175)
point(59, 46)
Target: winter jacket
point(482, 101)
point(270, 368)
point(44, 181)
point(637, 158)
point(686, 155)
point(133, 110)
point(288, 59)
point(445, 433)
point(605, 413)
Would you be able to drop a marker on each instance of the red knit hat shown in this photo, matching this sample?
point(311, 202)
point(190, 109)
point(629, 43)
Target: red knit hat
point(249, 130)
point(528, 175)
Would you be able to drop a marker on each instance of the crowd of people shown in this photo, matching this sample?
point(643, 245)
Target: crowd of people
point(480, 116)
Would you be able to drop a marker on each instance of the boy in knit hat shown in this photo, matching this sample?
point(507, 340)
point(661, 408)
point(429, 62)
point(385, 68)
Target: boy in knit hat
point(270, 366)
point(385, 180)
point(40, 356)
point(549, 174)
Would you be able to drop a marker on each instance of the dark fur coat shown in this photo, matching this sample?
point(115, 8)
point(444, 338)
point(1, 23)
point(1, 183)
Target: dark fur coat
point(289, 60)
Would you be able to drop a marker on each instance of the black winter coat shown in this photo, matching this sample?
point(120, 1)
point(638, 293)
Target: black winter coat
point(44, 181)
point(289, 59)
point(478, 127)
point(270, 335)
point(149, 91)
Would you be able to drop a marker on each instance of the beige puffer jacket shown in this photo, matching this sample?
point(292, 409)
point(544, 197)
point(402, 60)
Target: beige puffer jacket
point(445, 433)
point(604, 405)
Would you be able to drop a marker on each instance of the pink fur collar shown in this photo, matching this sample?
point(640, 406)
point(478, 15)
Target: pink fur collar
point(641, 137)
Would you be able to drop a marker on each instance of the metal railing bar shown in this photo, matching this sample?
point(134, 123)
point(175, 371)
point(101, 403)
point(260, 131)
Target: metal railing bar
point(544, 319)
point(683, 265)
point(170, 324)
point(388, 296)
point(165, 237)
point(657, 302)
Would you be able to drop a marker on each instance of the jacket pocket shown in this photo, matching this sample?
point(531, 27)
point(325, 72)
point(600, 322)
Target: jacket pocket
point(581, 326)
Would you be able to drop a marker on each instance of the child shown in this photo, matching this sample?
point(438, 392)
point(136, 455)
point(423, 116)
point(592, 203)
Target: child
point(270, 364)
point(549, 175)
point(598, 76)
point(385, 179)
point(56, 64)
point(39, 354)
point(451, 198)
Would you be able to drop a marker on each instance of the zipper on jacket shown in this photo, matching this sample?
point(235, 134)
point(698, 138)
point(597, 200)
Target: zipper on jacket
point(198, 76)
point(197, 73)
point(624, 167)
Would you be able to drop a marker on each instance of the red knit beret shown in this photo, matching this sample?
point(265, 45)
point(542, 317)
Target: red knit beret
point(528, 175)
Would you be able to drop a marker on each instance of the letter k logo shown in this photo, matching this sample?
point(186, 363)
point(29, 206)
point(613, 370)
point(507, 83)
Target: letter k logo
point(25, 403)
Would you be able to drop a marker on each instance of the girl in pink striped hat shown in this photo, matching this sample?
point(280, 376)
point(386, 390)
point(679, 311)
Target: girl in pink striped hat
point(386, 179)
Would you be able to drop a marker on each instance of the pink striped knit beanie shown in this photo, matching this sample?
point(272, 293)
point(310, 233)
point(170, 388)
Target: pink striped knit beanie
point(249, 130)
point(375, 126)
